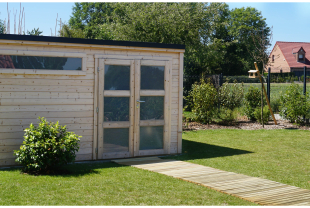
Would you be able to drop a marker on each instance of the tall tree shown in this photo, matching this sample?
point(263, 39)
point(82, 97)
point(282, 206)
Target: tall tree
point(243, 23)
point(197, 25)
point(88, 16)
point(217, 39)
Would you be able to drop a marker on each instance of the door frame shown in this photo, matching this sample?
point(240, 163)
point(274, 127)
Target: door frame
point(167, 98)
point(98, 117)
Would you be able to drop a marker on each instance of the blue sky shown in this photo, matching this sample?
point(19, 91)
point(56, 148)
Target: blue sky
point(289, 20)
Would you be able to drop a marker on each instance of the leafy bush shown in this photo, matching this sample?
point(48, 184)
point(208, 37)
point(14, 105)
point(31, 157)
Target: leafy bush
point(226, 116)
point(258, 114)
point(47, 147)
point(275, 105)
point(204, 97)
point(294, 105)
point(252, 101)
point(231, 95)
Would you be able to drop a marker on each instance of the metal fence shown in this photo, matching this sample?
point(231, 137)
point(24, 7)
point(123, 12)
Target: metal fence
point(188, 81)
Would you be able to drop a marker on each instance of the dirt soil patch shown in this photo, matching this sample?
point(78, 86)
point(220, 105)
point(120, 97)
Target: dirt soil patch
point(246, 125)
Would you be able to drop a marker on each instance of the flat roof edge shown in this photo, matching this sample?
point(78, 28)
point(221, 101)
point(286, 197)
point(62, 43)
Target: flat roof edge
point(89, 41)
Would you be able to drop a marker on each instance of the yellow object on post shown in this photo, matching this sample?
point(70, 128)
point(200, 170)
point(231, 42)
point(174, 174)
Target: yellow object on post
point(252, 73)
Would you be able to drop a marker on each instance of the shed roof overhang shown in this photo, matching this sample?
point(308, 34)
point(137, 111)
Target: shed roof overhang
point(89, 41)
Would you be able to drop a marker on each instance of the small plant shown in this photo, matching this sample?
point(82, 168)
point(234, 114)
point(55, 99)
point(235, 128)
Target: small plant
point(46, 147)
point(252, 101)
point(204, 98)
point(231, 95)
point(226, 116)
point(275, 105)
point(258, 114)
point(294, 104)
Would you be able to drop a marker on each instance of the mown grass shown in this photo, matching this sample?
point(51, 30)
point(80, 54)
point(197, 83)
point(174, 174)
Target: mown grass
point(105, 184)
point(275, 89)
point(279, 155)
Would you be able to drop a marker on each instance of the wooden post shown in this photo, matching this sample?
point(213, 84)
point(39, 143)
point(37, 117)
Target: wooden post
point(261, 80)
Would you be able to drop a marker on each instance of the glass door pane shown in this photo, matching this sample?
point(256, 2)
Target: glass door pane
point(115, 108)
point(151, 98)
point(151, 137)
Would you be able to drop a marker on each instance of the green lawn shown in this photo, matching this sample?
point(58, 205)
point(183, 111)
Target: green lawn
point(106, 184)
point(279, 155)
point(275, 88)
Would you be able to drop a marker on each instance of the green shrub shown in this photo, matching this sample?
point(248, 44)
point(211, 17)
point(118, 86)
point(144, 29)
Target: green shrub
point(294, 105)
point(47, 147)
point(204, 97)
point(231, 95)
point(226, 116)
point(275, 105)
point(252, 101)
point(258, 114)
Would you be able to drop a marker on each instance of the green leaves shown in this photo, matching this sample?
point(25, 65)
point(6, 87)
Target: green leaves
point(2, 28)
point(217, 39)
point(204, 98)
point(47, 147)
point(231, 95)
point(294, 104)
point(252, 101)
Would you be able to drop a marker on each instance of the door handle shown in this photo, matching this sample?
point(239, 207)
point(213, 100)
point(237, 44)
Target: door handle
point(140, 101)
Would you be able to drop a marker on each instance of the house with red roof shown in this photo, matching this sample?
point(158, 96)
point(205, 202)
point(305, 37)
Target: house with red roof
point(289, 57)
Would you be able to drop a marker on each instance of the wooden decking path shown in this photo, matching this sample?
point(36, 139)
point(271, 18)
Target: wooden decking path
point(260, 191)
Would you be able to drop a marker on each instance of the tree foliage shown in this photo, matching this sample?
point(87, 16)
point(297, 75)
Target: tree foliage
point(246, 27)
point(35, 31)
point(88, 16)
point(2, 28)
point(217, 39)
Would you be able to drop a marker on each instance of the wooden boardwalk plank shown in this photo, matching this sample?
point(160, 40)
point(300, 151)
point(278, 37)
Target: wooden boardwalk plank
point(257, 190)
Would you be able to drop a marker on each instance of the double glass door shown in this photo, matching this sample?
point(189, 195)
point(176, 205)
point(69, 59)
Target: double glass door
point(133, 108)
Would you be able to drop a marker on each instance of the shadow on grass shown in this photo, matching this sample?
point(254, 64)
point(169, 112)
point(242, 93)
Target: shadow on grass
point(291, 128)
point(72, 170)
point(196, 150)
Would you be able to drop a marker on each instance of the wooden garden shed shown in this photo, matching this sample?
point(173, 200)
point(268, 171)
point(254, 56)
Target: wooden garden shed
point(124, 98)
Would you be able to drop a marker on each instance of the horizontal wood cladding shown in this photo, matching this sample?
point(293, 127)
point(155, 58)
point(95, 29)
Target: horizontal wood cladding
point(67, 98)
point(47, 114)
point(45, 88)
point(44, 82)
point(11, 161)
point(47, 101)
point(7, 162)
point(62, 121)
point(46, 95)
point(46, 108)
point(89, 76)
point(7, 156)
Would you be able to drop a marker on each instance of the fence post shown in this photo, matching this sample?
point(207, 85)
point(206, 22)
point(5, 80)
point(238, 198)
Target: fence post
point(268, 84)
point(305, 86)
point(221, 79)
point(305, 79)
point(220, 84)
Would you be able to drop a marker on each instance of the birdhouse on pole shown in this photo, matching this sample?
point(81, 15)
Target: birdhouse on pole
point(253, 74)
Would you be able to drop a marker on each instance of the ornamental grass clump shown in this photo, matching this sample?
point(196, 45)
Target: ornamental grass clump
point(47, 147)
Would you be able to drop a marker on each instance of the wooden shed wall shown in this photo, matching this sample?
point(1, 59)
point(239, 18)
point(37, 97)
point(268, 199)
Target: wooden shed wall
point(68, 98)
